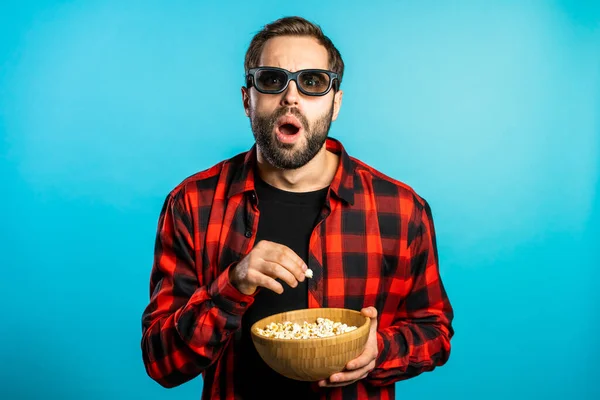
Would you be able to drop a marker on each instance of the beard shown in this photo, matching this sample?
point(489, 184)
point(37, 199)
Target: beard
point(285, 155)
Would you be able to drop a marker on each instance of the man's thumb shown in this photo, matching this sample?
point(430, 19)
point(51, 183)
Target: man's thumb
point(370, 312)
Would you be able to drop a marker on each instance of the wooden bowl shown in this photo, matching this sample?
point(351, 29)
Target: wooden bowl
point(312, 359)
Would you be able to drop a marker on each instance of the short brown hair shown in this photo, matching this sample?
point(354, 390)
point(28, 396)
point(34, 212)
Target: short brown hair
point(293, 26)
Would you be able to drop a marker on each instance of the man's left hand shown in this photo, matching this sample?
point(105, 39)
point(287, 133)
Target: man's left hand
point(360, 367)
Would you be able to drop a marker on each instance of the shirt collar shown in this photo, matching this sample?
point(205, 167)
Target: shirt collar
point(342, 184)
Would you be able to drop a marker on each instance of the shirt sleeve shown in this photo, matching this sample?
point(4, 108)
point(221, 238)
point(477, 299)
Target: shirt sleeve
point(188, 322)
point(419, 338)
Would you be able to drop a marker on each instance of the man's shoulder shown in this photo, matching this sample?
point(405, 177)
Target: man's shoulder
point(207, 180)
point(384, 185)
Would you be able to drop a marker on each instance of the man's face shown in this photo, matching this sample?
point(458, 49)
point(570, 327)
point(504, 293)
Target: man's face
point(290, 128)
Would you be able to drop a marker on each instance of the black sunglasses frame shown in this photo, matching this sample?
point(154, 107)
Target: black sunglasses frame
point(292, 76)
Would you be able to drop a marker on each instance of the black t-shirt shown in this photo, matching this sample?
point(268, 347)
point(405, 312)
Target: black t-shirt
point(286, 218)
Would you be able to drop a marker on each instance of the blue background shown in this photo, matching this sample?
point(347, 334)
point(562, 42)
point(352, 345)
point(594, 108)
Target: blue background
point(489, 110)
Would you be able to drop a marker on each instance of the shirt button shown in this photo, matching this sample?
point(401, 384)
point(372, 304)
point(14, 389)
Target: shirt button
point(226, 333)
point(248, 234)
point(243, 304)
point(253, 196)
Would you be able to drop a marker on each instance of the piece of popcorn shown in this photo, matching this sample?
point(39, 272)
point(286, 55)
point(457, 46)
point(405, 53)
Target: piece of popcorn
point(308, 273)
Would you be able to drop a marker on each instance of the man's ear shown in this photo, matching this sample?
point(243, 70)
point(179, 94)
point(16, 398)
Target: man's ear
point(246, 100)
point(337, 104)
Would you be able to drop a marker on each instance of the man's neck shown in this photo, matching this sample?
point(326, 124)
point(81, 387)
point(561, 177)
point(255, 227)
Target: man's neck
point(316, 174)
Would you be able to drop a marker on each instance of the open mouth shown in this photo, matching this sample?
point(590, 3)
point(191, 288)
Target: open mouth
point(289, 129)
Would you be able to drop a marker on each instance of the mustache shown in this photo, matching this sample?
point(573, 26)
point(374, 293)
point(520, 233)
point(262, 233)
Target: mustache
point(280, 112)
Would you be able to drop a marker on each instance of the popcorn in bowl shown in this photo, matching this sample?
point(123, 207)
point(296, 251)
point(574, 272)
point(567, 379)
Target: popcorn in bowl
point(324, 327)
point(277, 339)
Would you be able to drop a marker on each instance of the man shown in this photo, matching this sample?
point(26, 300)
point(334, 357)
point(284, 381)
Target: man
point(234, 242)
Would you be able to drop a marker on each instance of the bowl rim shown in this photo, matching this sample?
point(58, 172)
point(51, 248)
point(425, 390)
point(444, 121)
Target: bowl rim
point(358, 332)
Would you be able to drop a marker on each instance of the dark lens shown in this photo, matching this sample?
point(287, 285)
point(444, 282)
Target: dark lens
point(270, 80)
point(314, 81)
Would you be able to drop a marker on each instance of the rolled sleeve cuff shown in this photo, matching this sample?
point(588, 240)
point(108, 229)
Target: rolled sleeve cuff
point(381, 351)
point(227, 297)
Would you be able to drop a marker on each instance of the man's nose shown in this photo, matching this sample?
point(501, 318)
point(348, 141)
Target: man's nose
point(291, 95)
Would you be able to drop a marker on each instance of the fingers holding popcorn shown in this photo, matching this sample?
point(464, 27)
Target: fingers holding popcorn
point(264, 264)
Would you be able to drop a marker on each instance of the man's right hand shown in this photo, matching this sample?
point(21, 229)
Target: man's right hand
point(266, 262)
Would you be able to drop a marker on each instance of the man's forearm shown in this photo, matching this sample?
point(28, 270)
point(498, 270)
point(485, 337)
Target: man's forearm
point(179, 345)
point(409, 349)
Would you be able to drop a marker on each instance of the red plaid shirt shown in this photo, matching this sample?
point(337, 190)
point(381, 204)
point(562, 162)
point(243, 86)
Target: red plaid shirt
point(374, 245)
